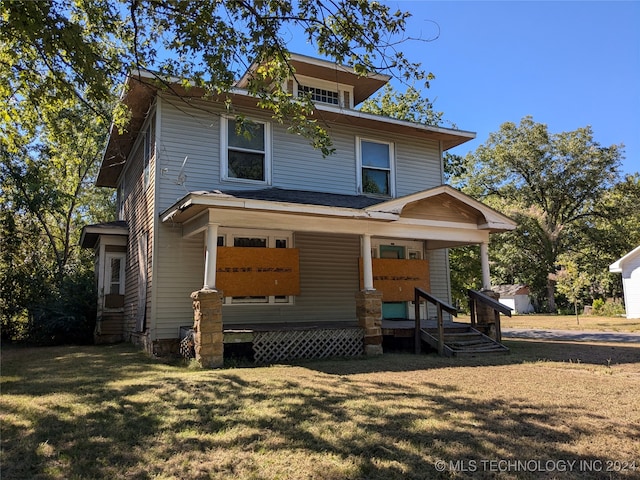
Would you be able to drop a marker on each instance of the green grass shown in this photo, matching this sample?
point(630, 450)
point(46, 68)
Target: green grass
point(114, 413)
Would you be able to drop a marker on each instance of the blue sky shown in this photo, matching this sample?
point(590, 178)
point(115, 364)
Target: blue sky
point(567, 64)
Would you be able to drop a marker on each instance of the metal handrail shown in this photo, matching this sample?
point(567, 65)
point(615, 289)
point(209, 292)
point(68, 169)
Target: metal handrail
point(440, 305)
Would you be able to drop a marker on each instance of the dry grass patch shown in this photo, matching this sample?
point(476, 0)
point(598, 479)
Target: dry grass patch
point(112, 412)
point(568, 322)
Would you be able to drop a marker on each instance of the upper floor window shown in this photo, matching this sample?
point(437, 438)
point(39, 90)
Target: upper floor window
point(246, 152)
point(375, 165)
point(319, 94)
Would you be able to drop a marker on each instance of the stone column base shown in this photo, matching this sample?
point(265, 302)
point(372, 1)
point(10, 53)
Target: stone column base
point(207, 328)
point(369, 313)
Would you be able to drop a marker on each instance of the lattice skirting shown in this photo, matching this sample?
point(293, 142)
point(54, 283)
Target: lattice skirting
point(269, 347)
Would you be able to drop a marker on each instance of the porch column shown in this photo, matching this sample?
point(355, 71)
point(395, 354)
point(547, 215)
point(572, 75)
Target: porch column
point(367, 264)
point(211, 257)
point(369, 303)
point(484, 259)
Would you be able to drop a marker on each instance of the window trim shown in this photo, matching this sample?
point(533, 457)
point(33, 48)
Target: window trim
point(107, 272)
point(224, 152)
point(360, 167)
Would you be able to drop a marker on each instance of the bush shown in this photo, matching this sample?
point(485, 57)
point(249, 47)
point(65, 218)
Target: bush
point(66, 314)
point(608, 308)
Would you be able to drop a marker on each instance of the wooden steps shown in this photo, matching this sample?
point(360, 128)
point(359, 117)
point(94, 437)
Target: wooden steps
point(463, 342)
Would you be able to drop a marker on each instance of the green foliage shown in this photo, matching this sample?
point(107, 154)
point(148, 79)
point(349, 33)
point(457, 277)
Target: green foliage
point(465, 272)
point(553, 185)
point(48, 163)
point(408, 105)
point(572, 282)
point(64, 49)
point(608, 308)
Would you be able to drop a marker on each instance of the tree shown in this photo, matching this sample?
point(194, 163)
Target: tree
point(48, 163)
point(551, 184)
point(409, 105)
point(572, 283)
point(64, 49)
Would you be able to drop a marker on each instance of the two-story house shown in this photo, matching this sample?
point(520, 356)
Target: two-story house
point(291, 240)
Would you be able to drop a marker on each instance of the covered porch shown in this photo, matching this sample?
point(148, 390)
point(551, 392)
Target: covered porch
point(383, 269)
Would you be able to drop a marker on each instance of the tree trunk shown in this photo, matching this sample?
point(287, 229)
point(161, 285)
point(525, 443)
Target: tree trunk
point(551, 296)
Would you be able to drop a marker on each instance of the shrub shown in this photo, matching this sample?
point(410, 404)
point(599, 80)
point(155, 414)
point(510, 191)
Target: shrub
point(608, 308)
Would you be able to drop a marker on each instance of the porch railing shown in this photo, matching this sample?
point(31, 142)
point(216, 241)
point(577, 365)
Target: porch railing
point(440, 306)
point(476, 298)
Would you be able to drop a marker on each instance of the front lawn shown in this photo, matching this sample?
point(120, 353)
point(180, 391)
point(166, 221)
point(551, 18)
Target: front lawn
point(114, 413)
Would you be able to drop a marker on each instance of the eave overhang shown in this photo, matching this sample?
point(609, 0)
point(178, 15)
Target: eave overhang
point(617, 266)
point(91, 233)
point(142, 87)
point(363, 86)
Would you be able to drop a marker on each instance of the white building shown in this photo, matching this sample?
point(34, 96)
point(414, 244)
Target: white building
point(629, 267)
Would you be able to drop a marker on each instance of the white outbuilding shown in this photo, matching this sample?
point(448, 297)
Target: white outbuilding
point(629, 267)
point(516, 297)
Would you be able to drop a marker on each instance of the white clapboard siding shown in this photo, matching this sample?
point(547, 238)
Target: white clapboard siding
point(179, 272)
point(138, 213)
point(193, 131)
point(439, 277)
point(297, 166)
point(328, 284)
point(418, 165)
point(631, 284)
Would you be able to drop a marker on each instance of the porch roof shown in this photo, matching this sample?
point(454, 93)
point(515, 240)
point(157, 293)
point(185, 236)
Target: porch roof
point(443, 208)
point(91, 233)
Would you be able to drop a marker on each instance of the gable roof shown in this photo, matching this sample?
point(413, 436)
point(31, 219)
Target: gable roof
point(443, 202)
point(617, 266)
point(510, 290)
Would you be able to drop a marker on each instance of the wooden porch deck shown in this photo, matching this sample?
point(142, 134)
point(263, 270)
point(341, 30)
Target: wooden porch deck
point(240, 333)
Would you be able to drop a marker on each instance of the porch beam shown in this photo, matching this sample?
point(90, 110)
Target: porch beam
point(300, 223)
point(197, 224)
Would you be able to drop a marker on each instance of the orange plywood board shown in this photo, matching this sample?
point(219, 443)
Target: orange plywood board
point(397, 279)
point(248, 271)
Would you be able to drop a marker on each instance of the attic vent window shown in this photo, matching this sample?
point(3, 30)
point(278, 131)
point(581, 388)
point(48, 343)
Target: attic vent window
point(319, 94)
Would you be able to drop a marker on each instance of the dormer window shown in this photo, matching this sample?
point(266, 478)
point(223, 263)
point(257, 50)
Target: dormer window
point(322, 91)
point(319, 94)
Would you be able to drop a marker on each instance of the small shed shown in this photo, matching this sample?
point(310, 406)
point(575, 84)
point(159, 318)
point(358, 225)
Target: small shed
point(629, 267)
point(515, 297)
